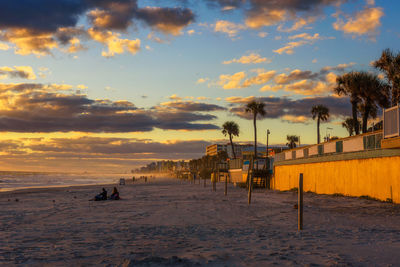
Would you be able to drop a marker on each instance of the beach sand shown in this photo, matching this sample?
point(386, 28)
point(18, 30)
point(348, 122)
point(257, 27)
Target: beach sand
point(168, 222)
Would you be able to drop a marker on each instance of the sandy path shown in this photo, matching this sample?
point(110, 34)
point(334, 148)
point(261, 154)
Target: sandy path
point(169, 222)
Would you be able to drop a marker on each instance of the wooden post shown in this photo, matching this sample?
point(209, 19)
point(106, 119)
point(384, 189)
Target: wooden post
point(250, 188)
point(204, 180)
point(300, 204)
point(250, 181)
point(226, 184)
point(248, 174)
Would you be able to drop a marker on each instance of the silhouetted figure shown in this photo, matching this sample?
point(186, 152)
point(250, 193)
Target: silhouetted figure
point(115, 194)
point(101, 196)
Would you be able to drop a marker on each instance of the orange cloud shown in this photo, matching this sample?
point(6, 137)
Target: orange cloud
point(365, 22)
point(265, 17)
point(24, 72)
point(114, 44)
point(261, 78)
point(252, 58)
point(231, 81)
point(230, 28)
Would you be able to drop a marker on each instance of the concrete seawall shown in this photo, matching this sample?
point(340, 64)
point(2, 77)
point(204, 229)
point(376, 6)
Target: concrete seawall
point(373, 173)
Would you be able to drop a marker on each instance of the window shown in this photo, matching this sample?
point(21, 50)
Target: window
point(305, 151)
point(339, 146)
point(320, 149)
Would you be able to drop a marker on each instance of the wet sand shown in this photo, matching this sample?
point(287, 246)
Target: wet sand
point(167, 222)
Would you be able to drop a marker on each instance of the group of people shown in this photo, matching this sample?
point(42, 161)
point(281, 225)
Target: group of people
point(103, 195)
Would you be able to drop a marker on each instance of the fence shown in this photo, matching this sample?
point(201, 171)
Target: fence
point(391, 122)
point(368, 141)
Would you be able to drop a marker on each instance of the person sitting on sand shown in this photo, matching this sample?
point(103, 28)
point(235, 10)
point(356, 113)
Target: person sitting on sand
point(115, 194)
point(101, 196)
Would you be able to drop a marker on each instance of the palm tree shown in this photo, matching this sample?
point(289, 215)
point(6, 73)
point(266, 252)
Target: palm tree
point(292, 140)
point(232, 129)
point(322, 114)
point(256, 108)
point(373, 93)
point(348, 84)
point(349, 125)
point(389, 63)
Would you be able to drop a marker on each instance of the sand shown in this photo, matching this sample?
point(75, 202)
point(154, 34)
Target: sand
point(167, 222)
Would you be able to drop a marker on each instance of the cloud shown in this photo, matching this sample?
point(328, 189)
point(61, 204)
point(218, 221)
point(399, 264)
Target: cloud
point(261, 13)
point(304, 82)
point(252, 58)
point(22, 72)
point(4, 46)
point(93, 154)
point(339, 67)
point(265, 17)
point(115, 45)
point(202, 80)
point(22, 23)
point(175, 97)
point(298, 24)
point(261, 78)
point(234, 81)
point(307, 87)
point(289, 47)
point(305, 39)
point(166, 20)
point(295, 75)
point(365, 22)
point(228, 82)
point(46, 108)
point(291, 110)
point(114, 15)
point(230, 28)
point(81, 86)
point(192, 106)
point(262, 34)
point(295, 119)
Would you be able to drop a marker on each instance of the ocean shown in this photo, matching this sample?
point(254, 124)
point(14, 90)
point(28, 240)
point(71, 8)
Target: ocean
point(10, 181)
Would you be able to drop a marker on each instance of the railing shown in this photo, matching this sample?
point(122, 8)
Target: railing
point(391, 122)
point(352, 144)
point(235, 164)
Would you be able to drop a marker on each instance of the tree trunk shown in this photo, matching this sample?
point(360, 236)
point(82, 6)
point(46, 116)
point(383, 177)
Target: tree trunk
point(367, 109)
point(318, 135)
point(233, 149)
point(355, 119)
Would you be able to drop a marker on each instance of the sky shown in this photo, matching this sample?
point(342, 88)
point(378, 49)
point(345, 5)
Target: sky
point(111, 85)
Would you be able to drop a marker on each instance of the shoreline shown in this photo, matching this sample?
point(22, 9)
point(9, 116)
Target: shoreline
point(60, 187)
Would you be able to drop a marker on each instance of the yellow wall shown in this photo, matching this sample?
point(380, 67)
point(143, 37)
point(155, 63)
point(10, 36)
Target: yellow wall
point(372, 177)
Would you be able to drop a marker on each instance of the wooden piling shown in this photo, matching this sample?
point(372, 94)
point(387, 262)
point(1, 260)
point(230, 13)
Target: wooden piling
point(250, 180)
point(300, 204)
point(226, 184)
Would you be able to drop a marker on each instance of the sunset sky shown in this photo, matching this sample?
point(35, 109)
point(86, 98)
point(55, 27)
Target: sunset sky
point(114, 84)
